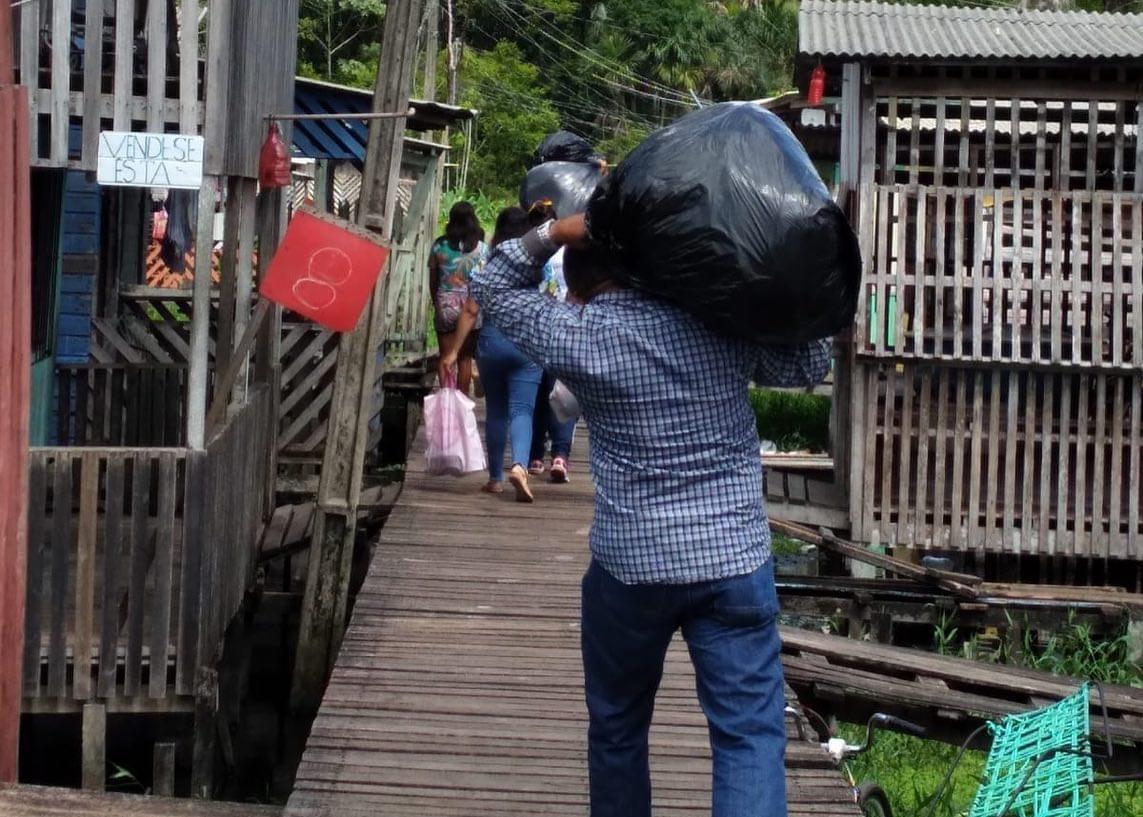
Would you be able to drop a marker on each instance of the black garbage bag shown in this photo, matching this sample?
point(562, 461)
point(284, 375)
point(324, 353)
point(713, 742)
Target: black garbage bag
point(563, 146)
point(723, 213)
point(568, 185)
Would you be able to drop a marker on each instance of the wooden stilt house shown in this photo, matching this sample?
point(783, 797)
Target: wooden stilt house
point(144, 515)
point(990, 402)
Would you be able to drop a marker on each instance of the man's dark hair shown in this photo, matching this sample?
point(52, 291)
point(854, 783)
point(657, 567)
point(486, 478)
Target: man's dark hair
point(586, 268)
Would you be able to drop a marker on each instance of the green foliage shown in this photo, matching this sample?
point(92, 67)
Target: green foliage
point(515, 114)
point(487, 208)
point(338, 40)
point(794, 421)
point(782, 545)
point(1074, 651)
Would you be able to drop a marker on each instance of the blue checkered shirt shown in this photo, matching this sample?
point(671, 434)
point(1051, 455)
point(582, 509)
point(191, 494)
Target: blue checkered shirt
point(674, 447)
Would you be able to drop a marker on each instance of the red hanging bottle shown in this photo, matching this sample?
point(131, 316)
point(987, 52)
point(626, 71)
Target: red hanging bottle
point(817, 87)
point(274, 160)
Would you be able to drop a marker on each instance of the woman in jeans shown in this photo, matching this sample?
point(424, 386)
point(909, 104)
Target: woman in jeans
point(545, 424)
point(510, 381)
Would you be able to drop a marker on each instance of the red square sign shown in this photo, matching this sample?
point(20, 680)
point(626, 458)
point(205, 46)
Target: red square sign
point(325, 270)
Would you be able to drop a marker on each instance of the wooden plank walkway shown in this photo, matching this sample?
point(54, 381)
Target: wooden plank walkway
point(38, 801)
point(458, 688)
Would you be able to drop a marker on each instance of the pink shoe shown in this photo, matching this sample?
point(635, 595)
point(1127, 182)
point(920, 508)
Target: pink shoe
point(536, 467)
point(559, 470)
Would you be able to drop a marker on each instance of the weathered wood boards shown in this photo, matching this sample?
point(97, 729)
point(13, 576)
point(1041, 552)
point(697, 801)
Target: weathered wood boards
point(138, 559)
point(15, 367)
point(458, 688)
point(998, 352)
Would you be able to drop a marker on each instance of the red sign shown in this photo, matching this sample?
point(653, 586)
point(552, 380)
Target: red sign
point(324, 270)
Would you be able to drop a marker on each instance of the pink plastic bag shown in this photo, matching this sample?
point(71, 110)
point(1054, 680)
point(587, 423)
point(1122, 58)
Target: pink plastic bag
point(454, 445)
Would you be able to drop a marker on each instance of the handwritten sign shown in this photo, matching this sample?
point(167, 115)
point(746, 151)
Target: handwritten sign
point(325, 270)
point(170, 160)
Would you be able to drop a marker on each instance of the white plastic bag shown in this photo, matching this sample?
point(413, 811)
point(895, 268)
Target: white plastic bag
point(454, 445)
point(563, 403)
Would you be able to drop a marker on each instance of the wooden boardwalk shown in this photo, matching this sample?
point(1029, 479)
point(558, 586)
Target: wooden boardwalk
point(458, 689)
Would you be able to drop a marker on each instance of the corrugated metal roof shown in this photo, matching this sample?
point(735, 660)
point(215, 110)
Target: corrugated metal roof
point(345, 139)
point(850, 28)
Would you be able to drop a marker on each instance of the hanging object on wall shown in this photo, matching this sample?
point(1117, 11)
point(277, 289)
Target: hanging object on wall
point(274, 160)
point(817, 86)
point(325, 270)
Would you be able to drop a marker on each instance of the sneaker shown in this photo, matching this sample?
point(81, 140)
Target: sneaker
point(559, 470)
point(536, 467)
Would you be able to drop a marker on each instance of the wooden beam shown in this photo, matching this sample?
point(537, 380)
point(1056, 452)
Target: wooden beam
point(327, 582)
point(957, 583)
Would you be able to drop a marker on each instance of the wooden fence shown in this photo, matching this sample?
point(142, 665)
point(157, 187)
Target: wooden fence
point(137, 71)
point(1003, 276)
point(121, 404)
point(1003, 461)
point(137, 561)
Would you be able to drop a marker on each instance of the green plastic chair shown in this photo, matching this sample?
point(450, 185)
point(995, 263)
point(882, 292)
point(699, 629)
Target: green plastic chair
point(1040, 763)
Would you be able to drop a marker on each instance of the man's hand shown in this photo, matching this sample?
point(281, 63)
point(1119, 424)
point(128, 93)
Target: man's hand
point(446, 368)
point(569, 232)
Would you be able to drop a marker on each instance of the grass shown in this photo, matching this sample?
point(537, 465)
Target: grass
point(794, 421)
point(910, 770)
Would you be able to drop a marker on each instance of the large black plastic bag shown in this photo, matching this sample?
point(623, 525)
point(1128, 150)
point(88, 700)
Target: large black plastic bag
point(563, 146)
point(568, 185)
point(723, 213)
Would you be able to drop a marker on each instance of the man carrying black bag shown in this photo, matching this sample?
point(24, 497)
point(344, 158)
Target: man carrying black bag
point(680, 539)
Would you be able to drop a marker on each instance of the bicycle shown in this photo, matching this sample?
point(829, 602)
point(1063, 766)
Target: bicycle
point(867, 795)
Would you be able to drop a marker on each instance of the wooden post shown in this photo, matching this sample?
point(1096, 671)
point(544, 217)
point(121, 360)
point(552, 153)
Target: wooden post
point(94, 746)
point(339, 491)
point(163, 770)
point(432, 46)
point(15, 371)
point(214, 128)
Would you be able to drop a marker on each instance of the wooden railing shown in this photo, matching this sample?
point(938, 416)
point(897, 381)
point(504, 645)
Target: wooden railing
point(1001, 276)
point(1000, 460)
point(138, 559)
point(121, 404)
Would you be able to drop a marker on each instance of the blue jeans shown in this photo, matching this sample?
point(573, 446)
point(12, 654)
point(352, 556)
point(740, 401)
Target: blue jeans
point(731, 631)
point(546, 424)
point(510, 384)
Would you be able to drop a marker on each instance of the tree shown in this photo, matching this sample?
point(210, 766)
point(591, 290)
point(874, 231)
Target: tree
point(338, 40)
point(515, 114)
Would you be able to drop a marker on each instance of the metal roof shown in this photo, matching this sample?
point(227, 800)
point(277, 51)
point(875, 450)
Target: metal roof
point(345, 139)
point(851, 28)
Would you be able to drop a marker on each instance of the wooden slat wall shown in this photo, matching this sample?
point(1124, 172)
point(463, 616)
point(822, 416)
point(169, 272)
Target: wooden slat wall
point(1046, 278)
point(133, 405)
point(118, 85)
point(108, 92)
point(234, 482)
point(106, 530)
point(138, 561)
point(1043, 464)
point(15, 369)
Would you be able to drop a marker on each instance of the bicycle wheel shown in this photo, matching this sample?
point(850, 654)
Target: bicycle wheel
point(873, 801)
